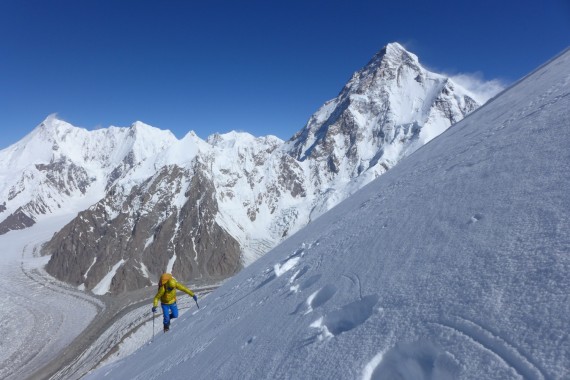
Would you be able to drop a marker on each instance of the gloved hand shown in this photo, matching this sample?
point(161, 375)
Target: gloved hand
point(154, 309)
point(195, 298)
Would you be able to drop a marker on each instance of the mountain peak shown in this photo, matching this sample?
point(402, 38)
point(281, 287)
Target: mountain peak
point(140, 127)
point(52, 130)
point(387, 110)
point(387, 64)
point(139, 124)
point(53, 122)
point(140, 130)
point(393, 55)
point(394, 47)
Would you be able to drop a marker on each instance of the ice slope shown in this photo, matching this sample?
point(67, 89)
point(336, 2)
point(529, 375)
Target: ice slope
point(454, 264)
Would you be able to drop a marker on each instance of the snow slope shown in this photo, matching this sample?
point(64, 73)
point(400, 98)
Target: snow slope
point(454, 264)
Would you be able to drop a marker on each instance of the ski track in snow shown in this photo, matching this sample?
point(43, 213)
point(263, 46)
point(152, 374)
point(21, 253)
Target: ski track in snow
point(494, 344)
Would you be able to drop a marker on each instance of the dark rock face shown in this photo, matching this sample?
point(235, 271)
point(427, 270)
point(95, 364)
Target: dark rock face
point(147, 231)
point(290, 176)
point(202, 246)
point(16, 221)
point(65, 176)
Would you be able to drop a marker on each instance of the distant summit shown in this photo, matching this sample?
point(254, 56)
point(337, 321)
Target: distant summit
point(393, 55)
point(386, 111)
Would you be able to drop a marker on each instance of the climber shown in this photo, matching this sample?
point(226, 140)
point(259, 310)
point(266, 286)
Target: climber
point(167, 287)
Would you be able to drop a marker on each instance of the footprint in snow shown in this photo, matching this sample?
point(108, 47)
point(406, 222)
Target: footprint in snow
point(271, 277)
point(310, 281)
point(279, 270)
point(248, 342)
point(346, 318)
point(299, 274)
point(298, 253)
point(410, 361)
point(320, 297)
point(304, 285)
point(475, 218)
point(294, 288)
point(286, 265)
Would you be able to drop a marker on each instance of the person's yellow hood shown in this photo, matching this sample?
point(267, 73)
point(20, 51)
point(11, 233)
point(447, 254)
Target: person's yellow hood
point(167, 296)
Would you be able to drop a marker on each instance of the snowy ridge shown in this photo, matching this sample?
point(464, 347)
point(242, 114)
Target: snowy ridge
point(58, 165)
point(452, 265)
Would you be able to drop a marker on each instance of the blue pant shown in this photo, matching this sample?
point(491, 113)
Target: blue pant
point(169, 311)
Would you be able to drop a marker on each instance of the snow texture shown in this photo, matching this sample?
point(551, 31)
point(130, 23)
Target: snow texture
point(452, 265)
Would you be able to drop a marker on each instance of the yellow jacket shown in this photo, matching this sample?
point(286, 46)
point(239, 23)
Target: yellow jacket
point(167, 296)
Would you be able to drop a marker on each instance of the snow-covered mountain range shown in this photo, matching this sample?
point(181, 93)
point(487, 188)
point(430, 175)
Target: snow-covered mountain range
point(453, 265)
point(203, 209)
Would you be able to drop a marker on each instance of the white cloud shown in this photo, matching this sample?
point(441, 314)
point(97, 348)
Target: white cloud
point(481, 89)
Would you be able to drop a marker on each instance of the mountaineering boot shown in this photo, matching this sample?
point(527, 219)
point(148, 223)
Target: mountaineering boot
point(166, 327)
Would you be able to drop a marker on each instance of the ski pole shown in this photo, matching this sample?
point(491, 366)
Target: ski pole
point(153, 326)
point(197, 303)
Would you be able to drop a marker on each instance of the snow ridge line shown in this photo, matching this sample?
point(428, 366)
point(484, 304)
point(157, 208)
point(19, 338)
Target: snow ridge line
point(494, 344)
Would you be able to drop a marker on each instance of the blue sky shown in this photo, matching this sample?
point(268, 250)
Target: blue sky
point(258, 66)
